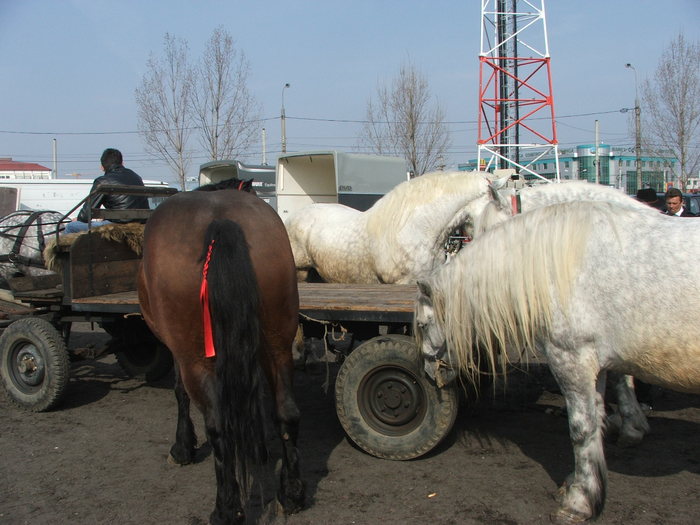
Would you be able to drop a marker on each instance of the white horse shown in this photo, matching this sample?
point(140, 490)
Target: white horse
point(631, 423)
point(584, 283)
point(399, 238)
point(23, 236)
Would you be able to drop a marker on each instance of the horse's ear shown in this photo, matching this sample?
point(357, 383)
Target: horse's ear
point(495, 188)
point(424, 288)
point(499, 184)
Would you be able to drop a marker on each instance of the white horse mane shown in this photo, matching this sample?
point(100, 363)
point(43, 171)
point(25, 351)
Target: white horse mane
point(511, 284)
point(395, 209)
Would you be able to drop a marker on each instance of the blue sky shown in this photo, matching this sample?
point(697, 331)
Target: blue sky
point(70, 67)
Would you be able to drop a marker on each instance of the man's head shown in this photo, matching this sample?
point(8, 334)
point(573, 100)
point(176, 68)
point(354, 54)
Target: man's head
point(111, 158)
point(674, 200)
point(647, 195)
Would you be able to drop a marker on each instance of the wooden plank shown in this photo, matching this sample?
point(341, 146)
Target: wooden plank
point(124, 298)
point(99, 267)
point(103, 278)
point(146, 191)
point(365, 302)
point(124, 215)
point(357, 297)
point(28, 283)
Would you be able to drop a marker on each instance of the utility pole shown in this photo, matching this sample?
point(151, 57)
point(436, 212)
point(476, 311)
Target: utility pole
point(283, 121)
point(637, 130)
point(597, 155)
point(264, 147)
point(55, 160)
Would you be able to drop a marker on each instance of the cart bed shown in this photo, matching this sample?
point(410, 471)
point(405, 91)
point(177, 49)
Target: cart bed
point(382, 303)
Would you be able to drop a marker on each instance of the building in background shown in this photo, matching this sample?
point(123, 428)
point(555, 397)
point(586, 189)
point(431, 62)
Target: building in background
point(616, 167)
point(12, 169)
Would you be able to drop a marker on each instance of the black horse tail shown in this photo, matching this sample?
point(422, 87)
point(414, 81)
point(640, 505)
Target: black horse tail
point(234, 301)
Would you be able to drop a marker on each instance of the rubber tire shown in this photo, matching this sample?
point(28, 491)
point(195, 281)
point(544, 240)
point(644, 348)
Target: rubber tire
point(38, 340)
point(371, 373)
point(147, 362)
point(138, 351)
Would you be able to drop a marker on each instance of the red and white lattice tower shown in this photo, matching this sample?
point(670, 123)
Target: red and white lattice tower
point(516, 106)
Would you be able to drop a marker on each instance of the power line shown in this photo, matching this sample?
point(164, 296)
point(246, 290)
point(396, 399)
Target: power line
point(267, 119)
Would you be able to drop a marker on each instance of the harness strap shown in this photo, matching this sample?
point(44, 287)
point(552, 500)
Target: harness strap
point(515, 204)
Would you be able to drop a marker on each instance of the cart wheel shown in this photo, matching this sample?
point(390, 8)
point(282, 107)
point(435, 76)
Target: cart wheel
point(137, 350)
point(147, 362)
point(34, 364)
point(387, 405)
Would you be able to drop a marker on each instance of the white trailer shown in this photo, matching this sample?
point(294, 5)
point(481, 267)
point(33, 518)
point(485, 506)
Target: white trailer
point(263, 176)
point(61, 195)
point(353, 179)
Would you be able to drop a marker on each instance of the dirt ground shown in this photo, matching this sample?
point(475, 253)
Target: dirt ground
point(101, 458)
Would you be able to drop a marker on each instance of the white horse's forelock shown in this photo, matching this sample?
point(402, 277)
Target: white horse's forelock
point(498, 292)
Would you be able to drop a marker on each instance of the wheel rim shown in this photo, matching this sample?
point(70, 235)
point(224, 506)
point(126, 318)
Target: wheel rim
point(27, 367)
point(392, 400)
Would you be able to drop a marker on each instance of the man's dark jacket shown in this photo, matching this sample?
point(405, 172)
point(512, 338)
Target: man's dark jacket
point(685, 213)
point(115, 175)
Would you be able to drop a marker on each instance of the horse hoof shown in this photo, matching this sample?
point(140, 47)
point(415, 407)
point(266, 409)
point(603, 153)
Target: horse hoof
point(628, 441)
point(292, 499)
point(567, 517)
point(173, 461)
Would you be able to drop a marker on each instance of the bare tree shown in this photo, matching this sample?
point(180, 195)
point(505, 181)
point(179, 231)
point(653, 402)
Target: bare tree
point(672, 106)
point(403, 122)
point(224, 110)
point(163, 102)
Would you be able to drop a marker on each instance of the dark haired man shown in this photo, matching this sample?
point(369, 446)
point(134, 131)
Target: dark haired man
point(115, 173)
point(674, 204)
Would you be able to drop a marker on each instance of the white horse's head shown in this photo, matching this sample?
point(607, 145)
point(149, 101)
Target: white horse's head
point(412, 225)
point(430, 336)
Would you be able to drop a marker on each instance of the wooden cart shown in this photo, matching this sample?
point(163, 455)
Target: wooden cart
point(384, 400)
point(96, 283)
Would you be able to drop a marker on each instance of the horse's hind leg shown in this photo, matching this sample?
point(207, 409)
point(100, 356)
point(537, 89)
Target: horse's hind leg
point(183, 450)
point(291, 491)
point(634, 423)
point(228, 509)
point(582, 386)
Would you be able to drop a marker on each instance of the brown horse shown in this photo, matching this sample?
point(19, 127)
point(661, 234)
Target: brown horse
point(254, 304)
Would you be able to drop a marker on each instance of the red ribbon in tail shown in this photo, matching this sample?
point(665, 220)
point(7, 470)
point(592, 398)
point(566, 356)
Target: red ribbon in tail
point(209, 350)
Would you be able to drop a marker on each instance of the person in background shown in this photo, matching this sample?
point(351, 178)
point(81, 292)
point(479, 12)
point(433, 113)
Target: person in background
point(674, 204)
point(648, 196)
point(115, 173)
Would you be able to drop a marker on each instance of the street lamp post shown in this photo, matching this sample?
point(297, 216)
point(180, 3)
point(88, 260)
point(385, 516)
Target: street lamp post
point(283, 121)
point(637, 130)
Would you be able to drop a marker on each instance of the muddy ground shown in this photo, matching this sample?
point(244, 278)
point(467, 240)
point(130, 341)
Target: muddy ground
point(101, 458)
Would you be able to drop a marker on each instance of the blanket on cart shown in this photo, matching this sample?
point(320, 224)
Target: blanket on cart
point(130, 234)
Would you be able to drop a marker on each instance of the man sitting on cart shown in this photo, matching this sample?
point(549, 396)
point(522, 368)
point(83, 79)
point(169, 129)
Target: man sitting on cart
point(115, 173)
